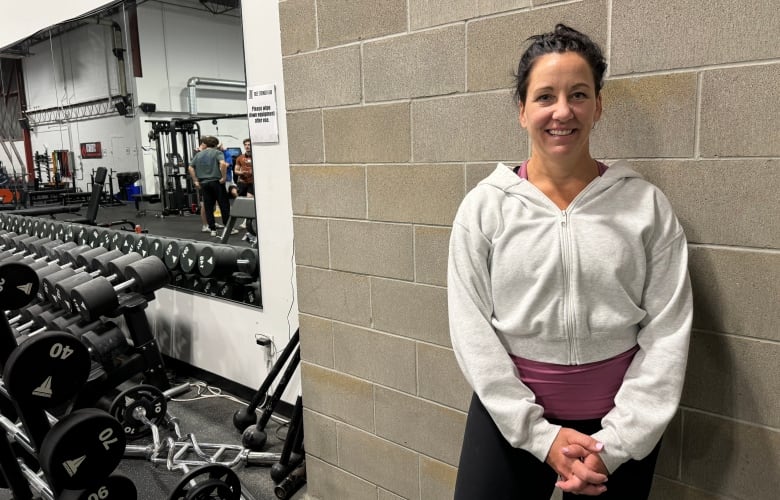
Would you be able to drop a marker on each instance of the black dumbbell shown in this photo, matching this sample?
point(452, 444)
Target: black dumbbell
point(98, 297)
point(112, 270)
point(224, 260)
point(172, 253)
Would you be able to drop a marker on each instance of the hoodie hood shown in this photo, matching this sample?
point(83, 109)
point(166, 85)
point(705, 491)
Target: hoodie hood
point(505, 179)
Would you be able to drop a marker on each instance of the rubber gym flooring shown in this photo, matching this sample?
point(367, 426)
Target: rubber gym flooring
point(207, 413)
point(186, 226)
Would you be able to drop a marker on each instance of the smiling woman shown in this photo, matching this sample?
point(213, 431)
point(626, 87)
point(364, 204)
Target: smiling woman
point(569, 301)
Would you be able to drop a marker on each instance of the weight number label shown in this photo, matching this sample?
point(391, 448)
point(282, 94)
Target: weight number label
point(100, 494)
point(60, 351)
point(105, 437)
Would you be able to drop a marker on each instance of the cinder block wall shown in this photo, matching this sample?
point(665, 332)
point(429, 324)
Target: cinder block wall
point(397, 107)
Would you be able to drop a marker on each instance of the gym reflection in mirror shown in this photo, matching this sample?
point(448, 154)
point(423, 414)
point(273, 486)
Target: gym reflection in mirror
point(136, 89)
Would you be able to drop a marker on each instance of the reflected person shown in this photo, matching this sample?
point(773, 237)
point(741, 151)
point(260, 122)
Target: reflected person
point(208, 170)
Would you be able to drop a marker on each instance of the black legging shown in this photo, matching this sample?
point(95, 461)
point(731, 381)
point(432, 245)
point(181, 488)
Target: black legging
point(491, 468)
point(213, 193)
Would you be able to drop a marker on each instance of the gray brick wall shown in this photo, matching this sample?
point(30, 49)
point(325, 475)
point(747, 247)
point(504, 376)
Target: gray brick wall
point(396, 108)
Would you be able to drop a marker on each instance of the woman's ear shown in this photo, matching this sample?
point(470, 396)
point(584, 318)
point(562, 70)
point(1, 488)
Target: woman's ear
point(599, 109)
point(521, 115)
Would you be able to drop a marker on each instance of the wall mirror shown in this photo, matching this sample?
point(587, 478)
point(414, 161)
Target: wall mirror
point(131, 88)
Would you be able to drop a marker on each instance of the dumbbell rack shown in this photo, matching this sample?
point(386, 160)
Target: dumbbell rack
point(224, 271)
point(144, 357)
point(78, 452)
point(84, 388)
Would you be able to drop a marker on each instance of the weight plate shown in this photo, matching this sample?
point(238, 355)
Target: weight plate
point(114, 487)
point(47, 370)
point(105, 238)
point(94, 238)
point(208, 475)
point(157, 248)
point(128, 243)
point(188, 258)
point(146, 397)
point(82, 449)
point(210, 489)
point(117, 240)
point(171, 252)
point(18, 285)
point(248, 258)
point(82, 236)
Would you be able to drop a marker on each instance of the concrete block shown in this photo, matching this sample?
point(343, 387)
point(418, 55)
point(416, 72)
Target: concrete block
point(344, 22)
point(439, 377)
point(495, 44)
point(735, 377)
point(478, 127)
point(385, 359)
point(488, 7)
point(305, 138)
point(368, 134)
point(735, 291)
point(329, 191)
point(668, 464)
point(737, 212)
point(423, 194)
point(400, 417)
point(320, 436)
point(427, 13)
point(311, 242)
point(475, 172)
point(636, 123)
point(326, 481)
point(397, 470)
point(653, 35)
point(409, 309)
point(334, 295)
point(387, 495)
point(374, 248)
point(427, 63)
point(323, 78)
point(437, 479)
point(298, 23)
point(431, 247)
point(730, 458)
point(339, 396)
point(738, 109)
point(664, 489)
point(316, 340)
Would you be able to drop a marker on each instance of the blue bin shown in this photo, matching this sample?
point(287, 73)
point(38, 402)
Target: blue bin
point(131, 190)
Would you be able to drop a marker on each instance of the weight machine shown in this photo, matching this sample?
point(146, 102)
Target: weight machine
point(177, 192)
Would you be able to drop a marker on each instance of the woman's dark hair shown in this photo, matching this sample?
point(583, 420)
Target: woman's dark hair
point(561, 39)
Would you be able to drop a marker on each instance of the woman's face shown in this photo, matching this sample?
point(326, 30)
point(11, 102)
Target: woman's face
point(561, 106)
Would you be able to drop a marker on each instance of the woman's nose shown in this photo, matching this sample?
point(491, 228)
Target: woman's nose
point(562, 111)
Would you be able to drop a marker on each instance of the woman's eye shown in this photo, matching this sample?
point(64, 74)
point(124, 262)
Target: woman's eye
point(544, 98)
point(580, 95)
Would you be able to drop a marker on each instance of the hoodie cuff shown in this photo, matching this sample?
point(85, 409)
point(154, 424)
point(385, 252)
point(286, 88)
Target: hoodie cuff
point(613, 455)
point(544, 434)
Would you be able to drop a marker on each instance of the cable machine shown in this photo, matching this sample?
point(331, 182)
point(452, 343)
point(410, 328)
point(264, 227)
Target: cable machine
point(177, 192)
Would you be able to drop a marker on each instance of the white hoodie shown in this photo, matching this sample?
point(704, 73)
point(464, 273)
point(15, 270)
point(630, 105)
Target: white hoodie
point(571, 287)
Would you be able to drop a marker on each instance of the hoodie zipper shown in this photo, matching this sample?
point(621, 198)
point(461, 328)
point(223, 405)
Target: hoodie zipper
point(568, 303)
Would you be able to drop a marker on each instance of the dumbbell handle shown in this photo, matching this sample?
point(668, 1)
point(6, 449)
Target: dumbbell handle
point(36, 481)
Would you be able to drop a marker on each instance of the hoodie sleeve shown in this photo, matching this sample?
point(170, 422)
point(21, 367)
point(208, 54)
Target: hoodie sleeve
point(481, 355)
point(652, 386)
